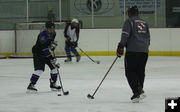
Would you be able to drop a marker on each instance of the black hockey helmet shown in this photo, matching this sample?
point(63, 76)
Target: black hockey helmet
point(133, 10)
point(49, 24)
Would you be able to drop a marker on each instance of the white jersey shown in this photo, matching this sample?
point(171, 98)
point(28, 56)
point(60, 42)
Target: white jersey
point(72, 33)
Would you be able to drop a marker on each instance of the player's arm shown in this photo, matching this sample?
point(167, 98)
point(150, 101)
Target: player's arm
point(65, 32)
point(124, 37)
point(52, 59)
point(54, 36)
point(149, 37)
point(77, 33)
point(53, 43)
point(126, 31)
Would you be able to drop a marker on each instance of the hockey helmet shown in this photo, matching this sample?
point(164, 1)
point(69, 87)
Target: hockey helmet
point(74, 20)
point(49, 24)
point(133, 10)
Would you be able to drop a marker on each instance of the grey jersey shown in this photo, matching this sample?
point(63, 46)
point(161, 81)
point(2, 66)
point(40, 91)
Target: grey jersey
point(135, 35)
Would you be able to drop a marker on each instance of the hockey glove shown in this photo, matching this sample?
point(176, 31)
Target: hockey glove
point(54, 63)
point(53, 45)
point(68, 38)
point(74, 44)
point(69, 43)
point(120, 50)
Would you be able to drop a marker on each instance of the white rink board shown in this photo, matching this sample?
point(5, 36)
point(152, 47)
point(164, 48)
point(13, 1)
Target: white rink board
point(162, 39)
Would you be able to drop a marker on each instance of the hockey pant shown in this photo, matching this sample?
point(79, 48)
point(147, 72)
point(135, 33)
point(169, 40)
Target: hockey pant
point(39, 67)
point(70, 49)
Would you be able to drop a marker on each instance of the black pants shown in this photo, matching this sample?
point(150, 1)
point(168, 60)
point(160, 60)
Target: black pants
point(135, 63)
point(40, 61)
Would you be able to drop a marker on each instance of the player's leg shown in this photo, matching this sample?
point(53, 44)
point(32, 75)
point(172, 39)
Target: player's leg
point(33, 80)
point(68, 53)
point(131, 74)
point(39, 67)
point(53, 75)
point(141, 72)
point(141, 68)
point(78, 57)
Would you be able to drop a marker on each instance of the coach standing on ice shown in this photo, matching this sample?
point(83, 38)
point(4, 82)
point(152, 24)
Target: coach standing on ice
point(136, 38)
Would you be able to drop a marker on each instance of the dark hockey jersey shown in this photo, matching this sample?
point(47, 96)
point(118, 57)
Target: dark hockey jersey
point(43, 43)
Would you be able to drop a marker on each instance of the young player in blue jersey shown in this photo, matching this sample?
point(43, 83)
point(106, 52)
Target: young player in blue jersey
point(42, 56)
point(71, 33)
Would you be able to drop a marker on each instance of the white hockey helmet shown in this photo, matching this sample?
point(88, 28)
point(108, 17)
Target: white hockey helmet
point(74, 20)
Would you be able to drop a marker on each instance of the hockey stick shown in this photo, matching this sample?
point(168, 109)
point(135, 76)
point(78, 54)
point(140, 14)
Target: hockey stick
point(98, 62)
point(64, 92)
point(92, 96)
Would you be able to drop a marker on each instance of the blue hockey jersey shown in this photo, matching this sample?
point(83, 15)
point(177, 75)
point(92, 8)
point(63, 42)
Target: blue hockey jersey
point(43, 43)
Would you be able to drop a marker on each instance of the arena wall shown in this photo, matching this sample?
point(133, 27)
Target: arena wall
point(102, 42)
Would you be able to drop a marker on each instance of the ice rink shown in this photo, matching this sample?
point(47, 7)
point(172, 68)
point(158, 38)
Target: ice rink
point(162, 80)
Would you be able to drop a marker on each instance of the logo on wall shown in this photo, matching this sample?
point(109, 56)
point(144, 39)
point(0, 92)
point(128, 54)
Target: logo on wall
point(101, 7)
point(96, 5)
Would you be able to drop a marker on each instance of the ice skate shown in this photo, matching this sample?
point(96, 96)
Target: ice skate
point(136, 98)
point(68, 60)
point(142, 95)
point(53, 86)
point(31, 88)
point(78, 58)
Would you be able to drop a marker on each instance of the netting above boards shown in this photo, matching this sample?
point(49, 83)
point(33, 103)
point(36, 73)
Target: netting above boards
point(37, 26)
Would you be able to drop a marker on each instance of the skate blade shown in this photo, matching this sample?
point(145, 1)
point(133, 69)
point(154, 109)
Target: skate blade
point(53, 89)
point(142, 96)
point(67, 61)
point(31, 91)
point(136, 100)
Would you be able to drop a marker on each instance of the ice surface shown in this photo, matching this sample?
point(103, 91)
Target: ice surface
point(162, 80)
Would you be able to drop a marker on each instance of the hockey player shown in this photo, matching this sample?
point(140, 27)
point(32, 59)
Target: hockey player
point(42, 55)
point(136, 39)
point(71, 33)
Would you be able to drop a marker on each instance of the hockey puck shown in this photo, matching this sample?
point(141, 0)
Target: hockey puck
point(59, 94)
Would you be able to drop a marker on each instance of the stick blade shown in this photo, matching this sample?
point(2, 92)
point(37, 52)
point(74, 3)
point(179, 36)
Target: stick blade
point(66, 93)
point(90, 97)
point(98, 62)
